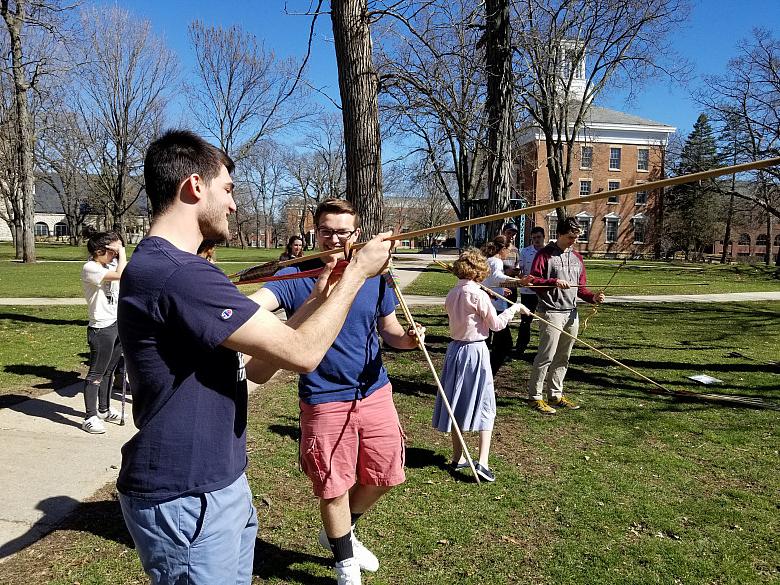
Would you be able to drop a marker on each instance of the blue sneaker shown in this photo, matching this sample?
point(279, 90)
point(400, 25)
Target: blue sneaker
point(484, 473)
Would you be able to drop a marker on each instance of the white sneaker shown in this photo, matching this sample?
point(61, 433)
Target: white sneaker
point(93, 425)
point(111, 416)
point(348, 572)
point(365, 558)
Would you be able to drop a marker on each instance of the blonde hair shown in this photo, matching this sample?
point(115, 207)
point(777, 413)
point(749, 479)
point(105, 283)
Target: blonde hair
point(471, 265)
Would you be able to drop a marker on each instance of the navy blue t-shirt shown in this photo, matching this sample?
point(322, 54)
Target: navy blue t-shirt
point(189, 392)
point(352, 368)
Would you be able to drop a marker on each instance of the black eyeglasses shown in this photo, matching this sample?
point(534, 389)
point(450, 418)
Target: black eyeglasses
point(340, 234)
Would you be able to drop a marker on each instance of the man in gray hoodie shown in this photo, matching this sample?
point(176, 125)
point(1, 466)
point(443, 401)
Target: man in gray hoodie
point(560, 268)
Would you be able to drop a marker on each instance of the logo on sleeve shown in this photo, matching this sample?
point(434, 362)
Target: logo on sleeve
point(226, 314)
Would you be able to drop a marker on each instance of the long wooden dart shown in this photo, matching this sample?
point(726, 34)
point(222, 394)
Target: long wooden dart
point(743, 400)
point(271, 267)
point(421, 344)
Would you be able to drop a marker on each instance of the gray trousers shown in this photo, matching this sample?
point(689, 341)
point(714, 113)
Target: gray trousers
point(552, 358)
point(104, 353)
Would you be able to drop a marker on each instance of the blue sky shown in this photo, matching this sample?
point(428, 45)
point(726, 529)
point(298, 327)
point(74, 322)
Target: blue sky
point(708, 40)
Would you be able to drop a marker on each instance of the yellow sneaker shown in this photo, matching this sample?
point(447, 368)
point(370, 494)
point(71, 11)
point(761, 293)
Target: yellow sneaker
point(564, 402)
point(542, 406)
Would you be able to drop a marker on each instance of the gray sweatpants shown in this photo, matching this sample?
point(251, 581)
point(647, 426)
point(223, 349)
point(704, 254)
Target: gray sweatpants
point(552, 358)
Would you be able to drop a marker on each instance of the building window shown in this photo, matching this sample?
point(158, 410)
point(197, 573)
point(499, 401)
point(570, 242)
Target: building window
point(613, 185)
point(639, 230)
point(586, 157)
point(61, 229)
point(777, 240)
point(643, 159)
point(41, 229)
point(641, 197)
point(614, 159)
point(585, 223)
point(585, 188)
point(611, 229)
point(552, 224)
point(761, 240)
point(744, 240)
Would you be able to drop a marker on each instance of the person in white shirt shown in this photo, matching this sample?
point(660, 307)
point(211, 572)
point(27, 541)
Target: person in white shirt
point(527, 295)
point(497, 252)
point(100, 281)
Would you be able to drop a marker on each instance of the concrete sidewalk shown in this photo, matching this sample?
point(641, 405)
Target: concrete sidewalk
point(48, 465)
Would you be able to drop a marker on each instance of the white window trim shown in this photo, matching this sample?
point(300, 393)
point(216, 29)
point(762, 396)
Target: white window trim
point(607, 218)
point(609, 162)
point(591, 187)
point(642, 218)
point(585, 215)
point(617, 202)
point(584, 168)
point(647, 170)
point(647, 196)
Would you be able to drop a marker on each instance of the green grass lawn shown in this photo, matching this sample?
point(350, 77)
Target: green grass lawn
point(41, 348)
point(639, 276)
point(631, 489)
point(60, 274)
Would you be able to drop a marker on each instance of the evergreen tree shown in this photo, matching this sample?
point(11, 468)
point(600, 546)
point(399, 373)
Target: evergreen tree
point(692, 215)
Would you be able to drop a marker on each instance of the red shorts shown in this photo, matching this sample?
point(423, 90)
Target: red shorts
point(347, 442)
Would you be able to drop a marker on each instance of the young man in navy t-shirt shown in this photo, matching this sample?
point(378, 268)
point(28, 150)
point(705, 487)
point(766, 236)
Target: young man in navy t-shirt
point(351, 440)
point(191, 341)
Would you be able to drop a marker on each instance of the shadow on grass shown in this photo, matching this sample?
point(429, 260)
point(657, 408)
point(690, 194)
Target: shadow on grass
point(56, 379)
point(289, 431)
point(272, 561)
point(102, 518)
point(413, 387)
point(42, 320)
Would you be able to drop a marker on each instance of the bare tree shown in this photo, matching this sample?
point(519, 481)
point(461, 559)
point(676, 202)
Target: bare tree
point(746, 102)
point(125, 83)
point(62, 158)
point(243, 93)
point(358, 86)
point(324, 141)
point(264, 173)
point(434, 93)
point(11, 212)
point(33, 30)
point(625, 41)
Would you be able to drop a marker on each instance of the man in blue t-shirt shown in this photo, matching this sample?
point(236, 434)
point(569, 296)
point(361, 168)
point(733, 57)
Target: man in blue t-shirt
point(351, 440)
point(191, 341)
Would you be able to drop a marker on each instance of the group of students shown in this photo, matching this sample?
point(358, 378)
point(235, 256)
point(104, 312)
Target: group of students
point(191, 342)
point(557, 273)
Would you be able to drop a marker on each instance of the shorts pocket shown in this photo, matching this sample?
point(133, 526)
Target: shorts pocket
point(193, 514)
point(311, 459)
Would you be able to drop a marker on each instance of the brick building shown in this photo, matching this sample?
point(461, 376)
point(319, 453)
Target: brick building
point(613, 150)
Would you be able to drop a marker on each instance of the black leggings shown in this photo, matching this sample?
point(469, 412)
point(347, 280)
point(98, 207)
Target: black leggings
point(104, 353)
point(524, 335)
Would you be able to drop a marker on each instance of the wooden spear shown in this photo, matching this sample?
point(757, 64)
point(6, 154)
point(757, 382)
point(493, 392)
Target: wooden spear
point(271, 267)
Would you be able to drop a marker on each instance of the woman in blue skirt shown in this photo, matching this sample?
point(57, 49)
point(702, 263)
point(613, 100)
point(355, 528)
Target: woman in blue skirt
point(467, 379)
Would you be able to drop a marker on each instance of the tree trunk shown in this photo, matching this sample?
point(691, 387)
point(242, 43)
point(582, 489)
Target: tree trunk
point(498, 61)
point(358, 86)
point(727, 234)
point(24, 145)
point(768, 247)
